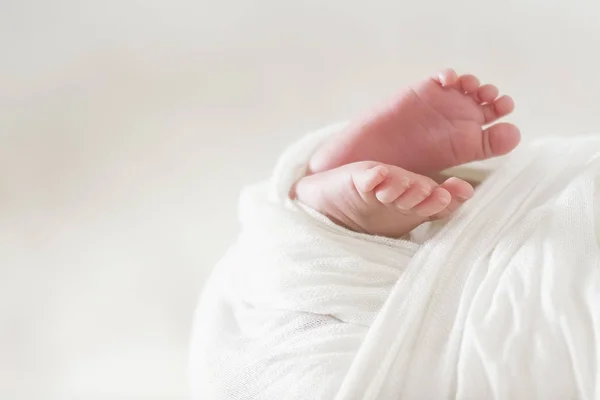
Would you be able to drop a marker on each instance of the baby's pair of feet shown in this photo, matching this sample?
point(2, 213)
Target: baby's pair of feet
point(375, 177)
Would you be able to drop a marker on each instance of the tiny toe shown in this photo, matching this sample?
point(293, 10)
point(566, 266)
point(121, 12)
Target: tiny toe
point(439, 199)
point(500, 139)
point(469, 84)
point(367, 180)
point(447, 77)
point(418, 192)
point(450, 209)
point(498, 109)
point(460, 190)
point(488, 93)
point(391, 189)
point(504, 105)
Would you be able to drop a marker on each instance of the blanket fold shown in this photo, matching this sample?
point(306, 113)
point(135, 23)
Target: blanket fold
point(502, 303)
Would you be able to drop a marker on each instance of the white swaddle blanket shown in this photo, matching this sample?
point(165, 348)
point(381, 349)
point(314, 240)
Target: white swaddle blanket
point(503, 302)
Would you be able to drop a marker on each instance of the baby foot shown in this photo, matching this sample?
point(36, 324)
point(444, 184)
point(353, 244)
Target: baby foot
point(379, 199)
point(439, 123)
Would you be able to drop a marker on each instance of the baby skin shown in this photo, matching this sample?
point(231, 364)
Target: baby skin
point(376, 176)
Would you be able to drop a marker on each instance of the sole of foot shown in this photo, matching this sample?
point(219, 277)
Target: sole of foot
point(441, 122)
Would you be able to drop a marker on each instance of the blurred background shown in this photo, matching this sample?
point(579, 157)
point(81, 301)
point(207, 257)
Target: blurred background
point(127, 129)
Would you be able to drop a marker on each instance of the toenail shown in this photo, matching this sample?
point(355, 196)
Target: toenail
point(401, 207)
point(441, 78)
point(381, 171)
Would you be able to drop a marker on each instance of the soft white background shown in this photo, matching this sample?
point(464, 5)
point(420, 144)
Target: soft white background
point(127, 129)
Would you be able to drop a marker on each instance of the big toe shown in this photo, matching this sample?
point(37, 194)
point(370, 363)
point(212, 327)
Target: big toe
point(500, 139)
point(460, 190)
